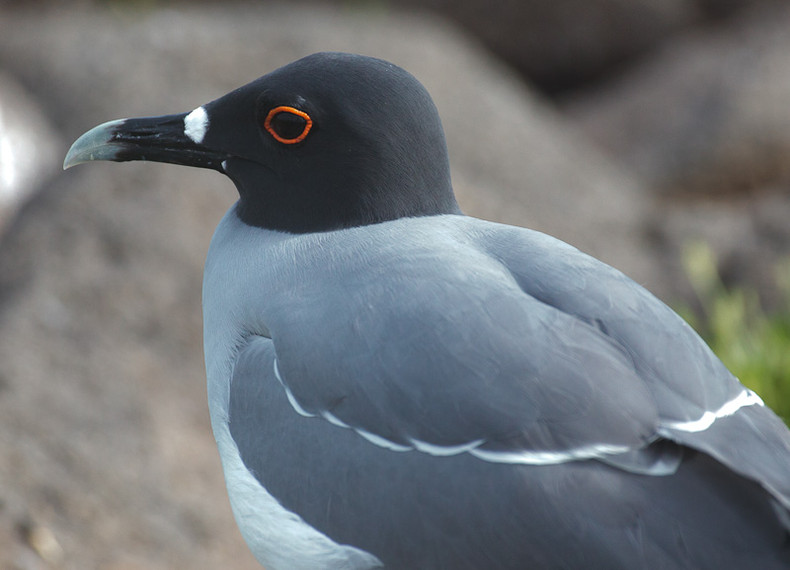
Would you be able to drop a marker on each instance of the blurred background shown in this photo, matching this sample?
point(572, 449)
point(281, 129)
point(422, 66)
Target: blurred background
point(654, 134)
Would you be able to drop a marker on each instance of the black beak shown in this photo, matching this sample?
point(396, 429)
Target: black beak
point(176, 139)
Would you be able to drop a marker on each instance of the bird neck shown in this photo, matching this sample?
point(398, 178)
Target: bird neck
point(309, 206)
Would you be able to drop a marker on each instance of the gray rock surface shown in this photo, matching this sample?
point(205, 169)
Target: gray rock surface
point(106, 457)
point(706, 114)
point(564, 44)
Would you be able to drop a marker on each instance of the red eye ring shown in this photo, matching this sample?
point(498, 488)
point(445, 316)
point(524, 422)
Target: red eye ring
point(267, 124)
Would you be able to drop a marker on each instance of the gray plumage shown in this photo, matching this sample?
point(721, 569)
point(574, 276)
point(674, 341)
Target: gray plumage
point(451, 330)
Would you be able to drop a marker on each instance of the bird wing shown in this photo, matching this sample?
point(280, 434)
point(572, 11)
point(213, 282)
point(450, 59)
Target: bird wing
point(699, 402)
point(507, 347)
point(440, 349)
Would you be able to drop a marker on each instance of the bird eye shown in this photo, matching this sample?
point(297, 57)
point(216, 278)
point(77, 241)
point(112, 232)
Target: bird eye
point(288, 125)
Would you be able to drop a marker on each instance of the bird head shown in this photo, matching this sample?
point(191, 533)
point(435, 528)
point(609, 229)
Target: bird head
point(329, 141)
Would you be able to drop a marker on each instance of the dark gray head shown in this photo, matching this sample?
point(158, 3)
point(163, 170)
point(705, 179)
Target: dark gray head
point(330, 141)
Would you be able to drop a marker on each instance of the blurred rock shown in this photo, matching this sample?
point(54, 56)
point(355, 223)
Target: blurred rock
point(706, 124)
point(717, 9)
point(560, 45)
point(563, 45)
point(708, 114)
point(104, 432)
point(28, 148)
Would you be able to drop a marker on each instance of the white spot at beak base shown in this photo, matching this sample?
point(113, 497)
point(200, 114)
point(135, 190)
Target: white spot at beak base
point(196, 125)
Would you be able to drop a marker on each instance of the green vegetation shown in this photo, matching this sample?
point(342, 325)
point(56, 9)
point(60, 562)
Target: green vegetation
point(753, 344)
